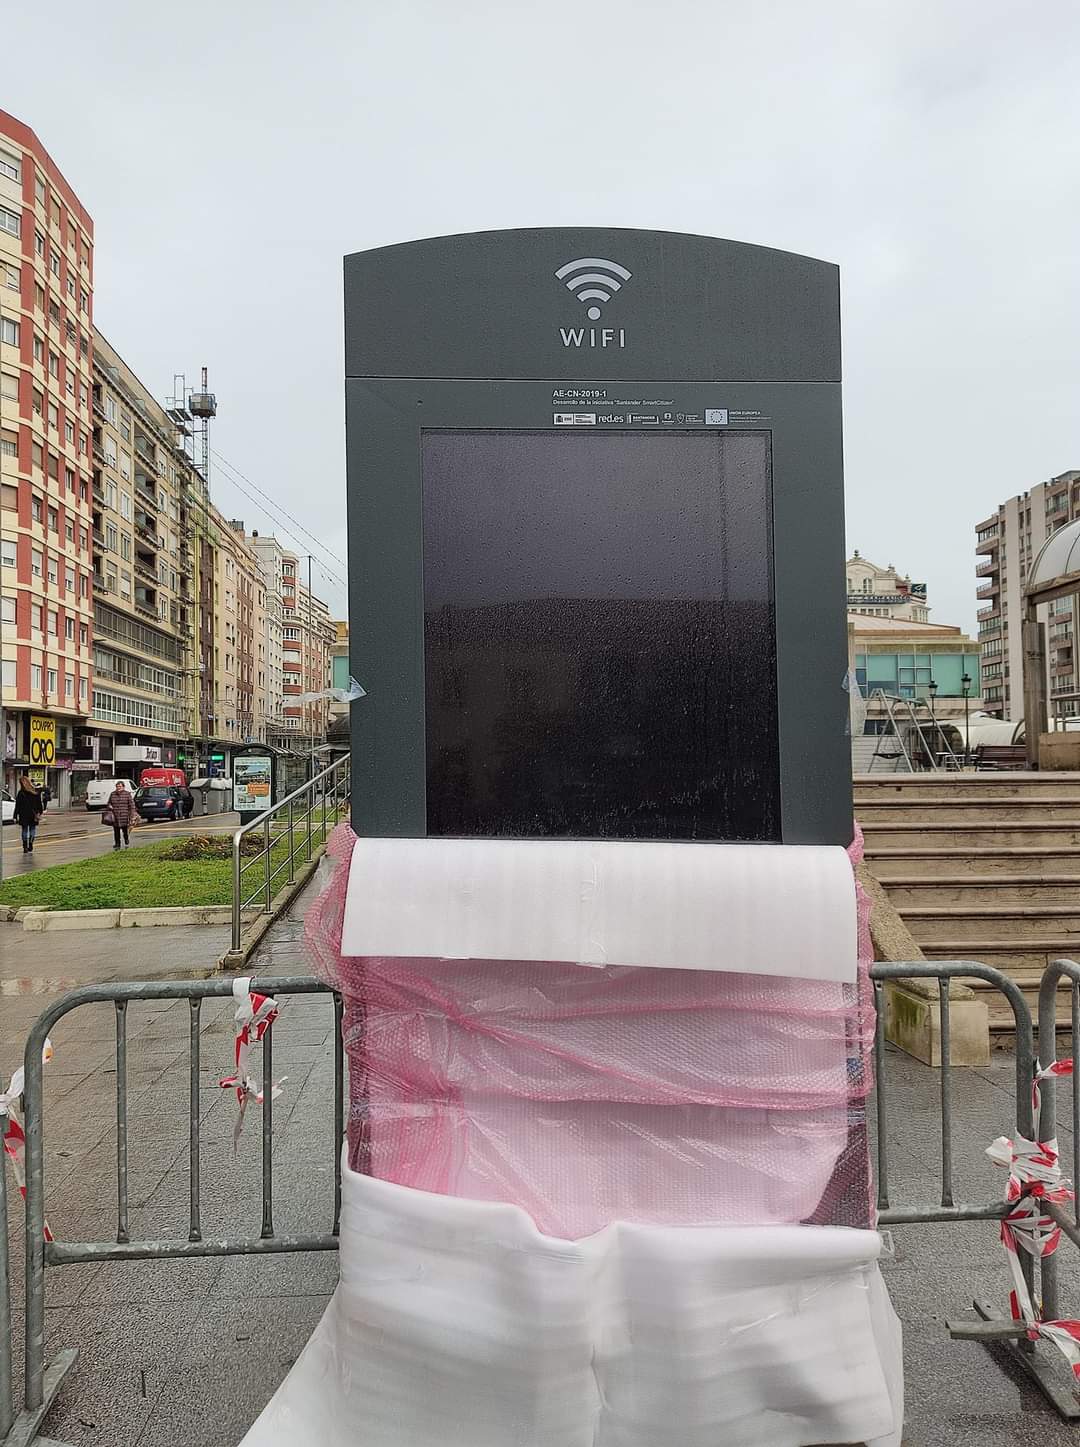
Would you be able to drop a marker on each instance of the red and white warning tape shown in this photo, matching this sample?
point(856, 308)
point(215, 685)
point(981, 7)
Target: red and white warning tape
point(254, 1015)
point(14, 1137)
point(1034, 1177)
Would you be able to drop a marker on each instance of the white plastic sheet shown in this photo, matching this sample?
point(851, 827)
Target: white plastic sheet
point(752, 909)
point(458, 1324)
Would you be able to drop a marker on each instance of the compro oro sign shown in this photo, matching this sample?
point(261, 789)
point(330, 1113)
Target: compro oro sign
point(42, 742)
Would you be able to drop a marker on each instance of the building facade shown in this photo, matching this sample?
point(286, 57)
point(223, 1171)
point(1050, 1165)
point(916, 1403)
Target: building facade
point(307, 635)
point(46, 351)
point(901, 659)
point(882, 593)
point(144, 658)
point(1006, 544)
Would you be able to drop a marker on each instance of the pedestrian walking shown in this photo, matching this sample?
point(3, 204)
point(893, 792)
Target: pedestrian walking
point(46, 796)
point(28, 811)
point(119, 811)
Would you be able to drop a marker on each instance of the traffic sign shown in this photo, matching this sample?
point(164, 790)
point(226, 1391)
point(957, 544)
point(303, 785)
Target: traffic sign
point(42, 741)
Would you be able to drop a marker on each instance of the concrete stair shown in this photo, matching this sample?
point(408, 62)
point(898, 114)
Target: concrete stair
point(981, 866)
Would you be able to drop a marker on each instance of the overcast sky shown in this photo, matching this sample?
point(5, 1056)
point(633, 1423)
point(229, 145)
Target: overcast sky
point(231, 153)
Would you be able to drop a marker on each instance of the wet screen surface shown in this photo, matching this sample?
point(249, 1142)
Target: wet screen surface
point(600, 649)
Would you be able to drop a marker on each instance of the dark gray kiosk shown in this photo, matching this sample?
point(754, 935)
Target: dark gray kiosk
point(596, 538)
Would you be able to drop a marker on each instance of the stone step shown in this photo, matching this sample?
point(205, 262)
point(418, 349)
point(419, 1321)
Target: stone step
point(983, 785)
point(951, 890)
point(1007, 955)
point(969, 923)
point(886, 863)
point(1026, 832)
point(1000, 1012)
point(991, 813)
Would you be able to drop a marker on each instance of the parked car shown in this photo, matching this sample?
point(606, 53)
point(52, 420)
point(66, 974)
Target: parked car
point(98, 791)
point(159, 802)
point(7, 807)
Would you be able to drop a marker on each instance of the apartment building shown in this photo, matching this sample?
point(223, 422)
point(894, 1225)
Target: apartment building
point(46, 344)
point(883, 593)
point(1006, 544)
point(307, 635)
point(239, 613)
point(144, 488)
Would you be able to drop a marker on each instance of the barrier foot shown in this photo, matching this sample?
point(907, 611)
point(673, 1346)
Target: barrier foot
point(1045, 1372)
point(24, 1433)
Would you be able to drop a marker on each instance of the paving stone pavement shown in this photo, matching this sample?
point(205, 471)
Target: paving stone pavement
point(185, 1353)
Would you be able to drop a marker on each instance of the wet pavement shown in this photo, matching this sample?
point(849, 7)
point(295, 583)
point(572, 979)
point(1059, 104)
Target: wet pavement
point(185, 1353)
point(66, 836)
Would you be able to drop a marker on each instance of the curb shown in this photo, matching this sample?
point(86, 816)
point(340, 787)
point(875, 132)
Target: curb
point(38, 920)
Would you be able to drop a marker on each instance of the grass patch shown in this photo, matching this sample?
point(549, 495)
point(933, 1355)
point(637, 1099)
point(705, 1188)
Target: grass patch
point(152, 876)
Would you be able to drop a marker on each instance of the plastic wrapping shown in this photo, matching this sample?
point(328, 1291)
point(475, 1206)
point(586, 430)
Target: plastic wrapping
point(457, 1324)
point(586, 1096)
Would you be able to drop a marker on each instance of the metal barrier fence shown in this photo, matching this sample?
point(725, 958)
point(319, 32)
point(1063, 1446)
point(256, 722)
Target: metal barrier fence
point(291, 830)
point(41, 1384)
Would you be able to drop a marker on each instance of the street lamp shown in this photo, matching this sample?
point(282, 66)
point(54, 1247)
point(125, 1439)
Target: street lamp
point(965, 684)
point(931, 689)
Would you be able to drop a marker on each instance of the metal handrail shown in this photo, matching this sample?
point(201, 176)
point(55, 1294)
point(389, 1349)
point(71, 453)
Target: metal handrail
point(299, 809)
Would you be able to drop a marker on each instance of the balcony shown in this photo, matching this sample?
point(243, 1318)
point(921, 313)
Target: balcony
point(146, 529)
point(989, 545)
point(988, 590)
point(984, 570)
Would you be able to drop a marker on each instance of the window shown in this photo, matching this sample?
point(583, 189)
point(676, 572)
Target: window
point(7, 553)
point(69, 480)
point(69, 579)
point(111, 537)
point(35, 677)
point(9, 386)
point(125, 585)
point(7, 614)
point(125, 547)
point(9, 444)
point(84, 396)
point(82, 540)
point(37, 457)
point(82, 690)
point(38, 402)
point(53, 570)
point(84, 447)
point(54, 627)
point(125, 506)
point(110, 494)
point(52, 681)
point(54, 262)
point(54, 313)
point(54, 466)
point(125, 465)
point(9, 221)
point(54, 520)
point(69, 685)
point(9, 331)
point(39, 350)
point(69, 629)
point(84, 299)
point(54, 365)
point(110, 408)
point(84, 635)
point(35, 507)
point(10, 166)
point(11, 275)
point(84, 584)
point(54, 416)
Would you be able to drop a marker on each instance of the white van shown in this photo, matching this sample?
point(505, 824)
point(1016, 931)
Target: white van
point(98, 791)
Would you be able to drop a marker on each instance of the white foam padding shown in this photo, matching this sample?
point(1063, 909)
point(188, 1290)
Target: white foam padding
point(768, 909)
point(457, 1324)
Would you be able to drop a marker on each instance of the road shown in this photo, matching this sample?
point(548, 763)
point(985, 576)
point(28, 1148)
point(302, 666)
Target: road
point(71, 834)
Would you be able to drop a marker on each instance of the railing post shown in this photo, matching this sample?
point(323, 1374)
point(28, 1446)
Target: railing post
point(269, 900)
point(237, 838)
point(292, 853)
point(1046, 1125)
point(35, 1218)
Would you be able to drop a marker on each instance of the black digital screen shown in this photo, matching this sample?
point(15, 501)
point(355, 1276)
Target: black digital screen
point(600, 645)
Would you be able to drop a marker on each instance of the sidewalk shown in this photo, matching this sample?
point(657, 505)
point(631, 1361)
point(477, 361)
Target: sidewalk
point(185, 1353)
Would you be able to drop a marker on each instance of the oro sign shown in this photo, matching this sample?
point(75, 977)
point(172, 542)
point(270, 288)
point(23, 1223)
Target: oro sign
point(42, 741)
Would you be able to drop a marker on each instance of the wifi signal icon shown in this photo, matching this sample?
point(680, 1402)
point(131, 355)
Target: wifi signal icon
point(602, 278)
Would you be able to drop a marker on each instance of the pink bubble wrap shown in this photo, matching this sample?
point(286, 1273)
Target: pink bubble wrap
point(674, 1097)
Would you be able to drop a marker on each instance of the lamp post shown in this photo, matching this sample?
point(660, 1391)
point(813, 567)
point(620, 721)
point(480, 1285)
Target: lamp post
point(931, 689)
point(965, 684)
